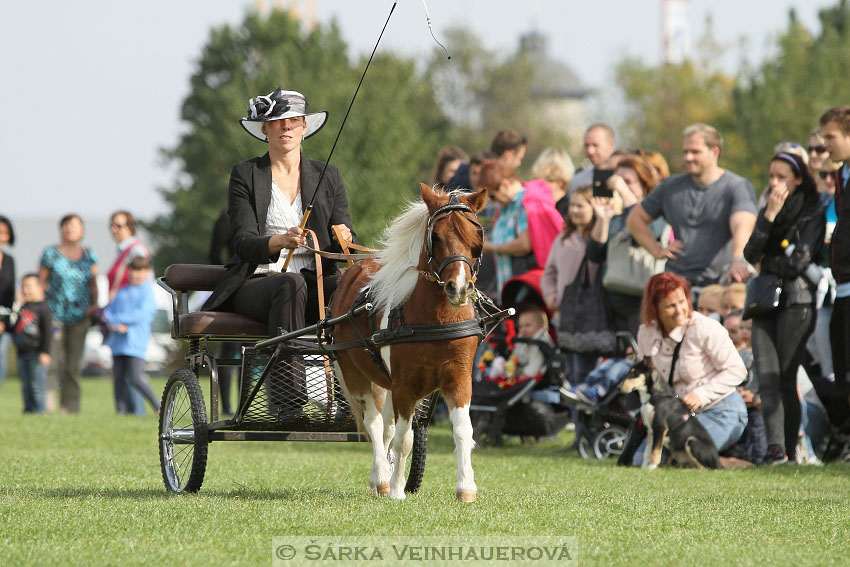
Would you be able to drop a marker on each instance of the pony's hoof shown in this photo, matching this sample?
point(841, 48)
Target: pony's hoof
point(383, 489)
point(467, 496)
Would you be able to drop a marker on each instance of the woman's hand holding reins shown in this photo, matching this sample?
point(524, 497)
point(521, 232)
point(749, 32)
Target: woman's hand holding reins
point(292, 238)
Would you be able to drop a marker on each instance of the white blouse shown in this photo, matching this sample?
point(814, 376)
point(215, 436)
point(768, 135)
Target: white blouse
point(281, 216)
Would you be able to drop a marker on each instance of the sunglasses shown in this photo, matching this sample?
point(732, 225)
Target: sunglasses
point(817, 149)
point(824, 174)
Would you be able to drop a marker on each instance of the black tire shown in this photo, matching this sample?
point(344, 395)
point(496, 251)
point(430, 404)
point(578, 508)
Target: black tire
point(610, 441)
point(585, 448)
point(417, 458)
point(183, 435)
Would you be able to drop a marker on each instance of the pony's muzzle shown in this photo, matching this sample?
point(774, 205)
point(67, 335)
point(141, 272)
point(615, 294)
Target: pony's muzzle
point(458, 296)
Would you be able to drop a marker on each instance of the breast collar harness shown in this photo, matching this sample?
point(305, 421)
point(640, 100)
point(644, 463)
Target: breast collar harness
point(441, 213)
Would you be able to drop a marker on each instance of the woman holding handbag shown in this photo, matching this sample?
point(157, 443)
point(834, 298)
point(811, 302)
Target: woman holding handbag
point(633, 180)
point(787, 238)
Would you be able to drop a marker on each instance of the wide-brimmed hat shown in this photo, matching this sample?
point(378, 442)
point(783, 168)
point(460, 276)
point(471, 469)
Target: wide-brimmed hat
point(277, 105)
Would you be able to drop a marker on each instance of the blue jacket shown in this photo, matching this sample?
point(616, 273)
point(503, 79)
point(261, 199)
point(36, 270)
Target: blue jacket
point(134, 306)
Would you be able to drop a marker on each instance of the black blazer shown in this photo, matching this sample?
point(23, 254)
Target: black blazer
point(248, 199)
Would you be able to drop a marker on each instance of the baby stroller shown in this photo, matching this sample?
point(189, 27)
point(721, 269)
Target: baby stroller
point(530, 408)
point(603, 427)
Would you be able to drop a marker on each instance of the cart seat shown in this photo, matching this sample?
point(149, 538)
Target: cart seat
point(183, 278)
point(221, 323)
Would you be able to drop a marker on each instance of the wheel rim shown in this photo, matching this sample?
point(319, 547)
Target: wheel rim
point(177, 439)
point(610, 441)
point(584, 448)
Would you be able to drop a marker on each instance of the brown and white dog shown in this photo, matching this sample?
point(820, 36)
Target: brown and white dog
point(665, 414)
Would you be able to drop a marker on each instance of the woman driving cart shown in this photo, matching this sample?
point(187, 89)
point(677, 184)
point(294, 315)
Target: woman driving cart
point(267, 198)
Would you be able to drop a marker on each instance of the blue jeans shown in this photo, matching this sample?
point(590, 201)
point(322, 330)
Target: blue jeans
point(608, 375)
point(32, 375)
point(725, 422)
point(129, 374)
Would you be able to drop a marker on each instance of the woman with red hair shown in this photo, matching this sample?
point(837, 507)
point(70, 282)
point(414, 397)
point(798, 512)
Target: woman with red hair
point(696, 354)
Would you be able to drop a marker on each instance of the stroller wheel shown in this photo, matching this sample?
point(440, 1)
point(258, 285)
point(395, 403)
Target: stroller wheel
point(585, 448)
point(610, 441)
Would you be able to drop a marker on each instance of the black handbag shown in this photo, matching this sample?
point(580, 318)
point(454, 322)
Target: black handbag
point(585, 326)
point(763, 292)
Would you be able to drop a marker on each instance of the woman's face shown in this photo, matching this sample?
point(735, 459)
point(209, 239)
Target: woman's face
point(580, 212)
point(285, 135)
point(816, 157)
point(72, 231)
point(502, 194)
point(781, 172)
point(829, 181)
point(673, 310)
point(120, 230)
point(448, 171)
point(5, 235)
point(632, 181)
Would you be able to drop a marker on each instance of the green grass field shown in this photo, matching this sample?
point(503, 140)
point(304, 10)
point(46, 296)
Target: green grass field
point(87, 490)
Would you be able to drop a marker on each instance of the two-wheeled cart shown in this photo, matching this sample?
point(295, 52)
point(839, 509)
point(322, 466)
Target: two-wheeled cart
point(288, 390)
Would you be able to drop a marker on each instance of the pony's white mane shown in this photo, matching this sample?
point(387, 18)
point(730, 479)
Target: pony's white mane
point(402, 243)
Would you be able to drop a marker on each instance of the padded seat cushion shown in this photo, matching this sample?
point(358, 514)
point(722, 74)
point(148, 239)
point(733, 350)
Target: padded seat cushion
point(221, 323)
point(193, 277)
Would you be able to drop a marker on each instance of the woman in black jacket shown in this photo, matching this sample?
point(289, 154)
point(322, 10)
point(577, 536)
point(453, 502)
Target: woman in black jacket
point(267, 197)
point(787, 238)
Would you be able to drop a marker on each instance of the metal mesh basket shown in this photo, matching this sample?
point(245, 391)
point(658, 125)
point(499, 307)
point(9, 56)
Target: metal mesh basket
point(298, 391)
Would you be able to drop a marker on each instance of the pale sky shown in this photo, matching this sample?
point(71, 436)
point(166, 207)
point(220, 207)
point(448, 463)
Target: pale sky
point(91, 90)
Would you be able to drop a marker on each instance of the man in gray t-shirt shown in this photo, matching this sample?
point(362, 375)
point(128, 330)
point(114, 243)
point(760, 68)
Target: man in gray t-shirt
point(712, 212)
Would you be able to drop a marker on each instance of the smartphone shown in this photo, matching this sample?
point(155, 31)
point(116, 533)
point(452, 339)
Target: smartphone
point(600, 183)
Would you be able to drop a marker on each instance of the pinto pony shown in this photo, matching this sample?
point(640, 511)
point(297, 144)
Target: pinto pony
point(427, 273)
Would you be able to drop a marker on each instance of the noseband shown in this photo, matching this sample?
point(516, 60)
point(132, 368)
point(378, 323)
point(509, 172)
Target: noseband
point(441, 213)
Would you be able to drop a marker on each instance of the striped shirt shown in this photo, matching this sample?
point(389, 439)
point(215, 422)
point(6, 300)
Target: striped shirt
point(281, 216)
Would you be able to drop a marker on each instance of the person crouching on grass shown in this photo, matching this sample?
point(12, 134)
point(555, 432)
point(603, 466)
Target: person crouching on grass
point(129, 318)
point(32, 327)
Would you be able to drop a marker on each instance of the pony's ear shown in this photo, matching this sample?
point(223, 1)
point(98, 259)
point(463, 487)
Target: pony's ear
point(476, 201)
point(429, 197)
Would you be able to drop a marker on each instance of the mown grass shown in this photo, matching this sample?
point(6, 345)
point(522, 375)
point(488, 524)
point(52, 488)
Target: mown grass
point(87, 490)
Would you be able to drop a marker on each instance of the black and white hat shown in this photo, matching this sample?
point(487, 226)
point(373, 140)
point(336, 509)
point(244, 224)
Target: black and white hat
point(278, 105)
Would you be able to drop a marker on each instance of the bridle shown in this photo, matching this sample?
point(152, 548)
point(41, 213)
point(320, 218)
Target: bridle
point(441, 213)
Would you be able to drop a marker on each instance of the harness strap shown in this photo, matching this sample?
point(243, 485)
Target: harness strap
point(347, 245)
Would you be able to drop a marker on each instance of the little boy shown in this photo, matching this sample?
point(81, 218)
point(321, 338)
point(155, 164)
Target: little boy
point(33, 328)
point(526, 361)
point(129, 318)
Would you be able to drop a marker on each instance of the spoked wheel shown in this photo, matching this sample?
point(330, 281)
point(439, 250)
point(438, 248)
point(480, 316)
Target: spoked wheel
point(416, 460)
point(183, 436)
point(610, 441)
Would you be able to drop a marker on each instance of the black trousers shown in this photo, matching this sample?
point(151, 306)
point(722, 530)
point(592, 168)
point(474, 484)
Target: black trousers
point(779, 343)
point(839, 338)
point(276, 299)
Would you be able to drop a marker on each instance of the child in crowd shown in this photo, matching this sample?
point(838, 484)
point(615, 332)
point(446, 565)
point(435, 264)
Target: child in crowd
point(710, 301)
point(129, 318)
point(735, 298)
point(753, 441)
point(32, 327)
point(526, 361)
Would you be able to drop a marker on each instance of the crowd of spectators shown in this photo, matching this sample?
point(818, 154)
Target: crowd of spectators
point(49, 313)
point(783, 393)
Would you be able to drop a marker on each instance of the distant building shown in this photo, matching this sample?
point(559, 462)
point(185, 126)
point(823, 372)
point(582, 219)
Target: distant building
point(558, 89)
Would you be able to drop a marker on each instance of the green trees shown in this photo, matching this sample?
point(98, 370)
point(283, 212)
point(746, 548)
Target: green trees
point(779, 100)
point(388, 146)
